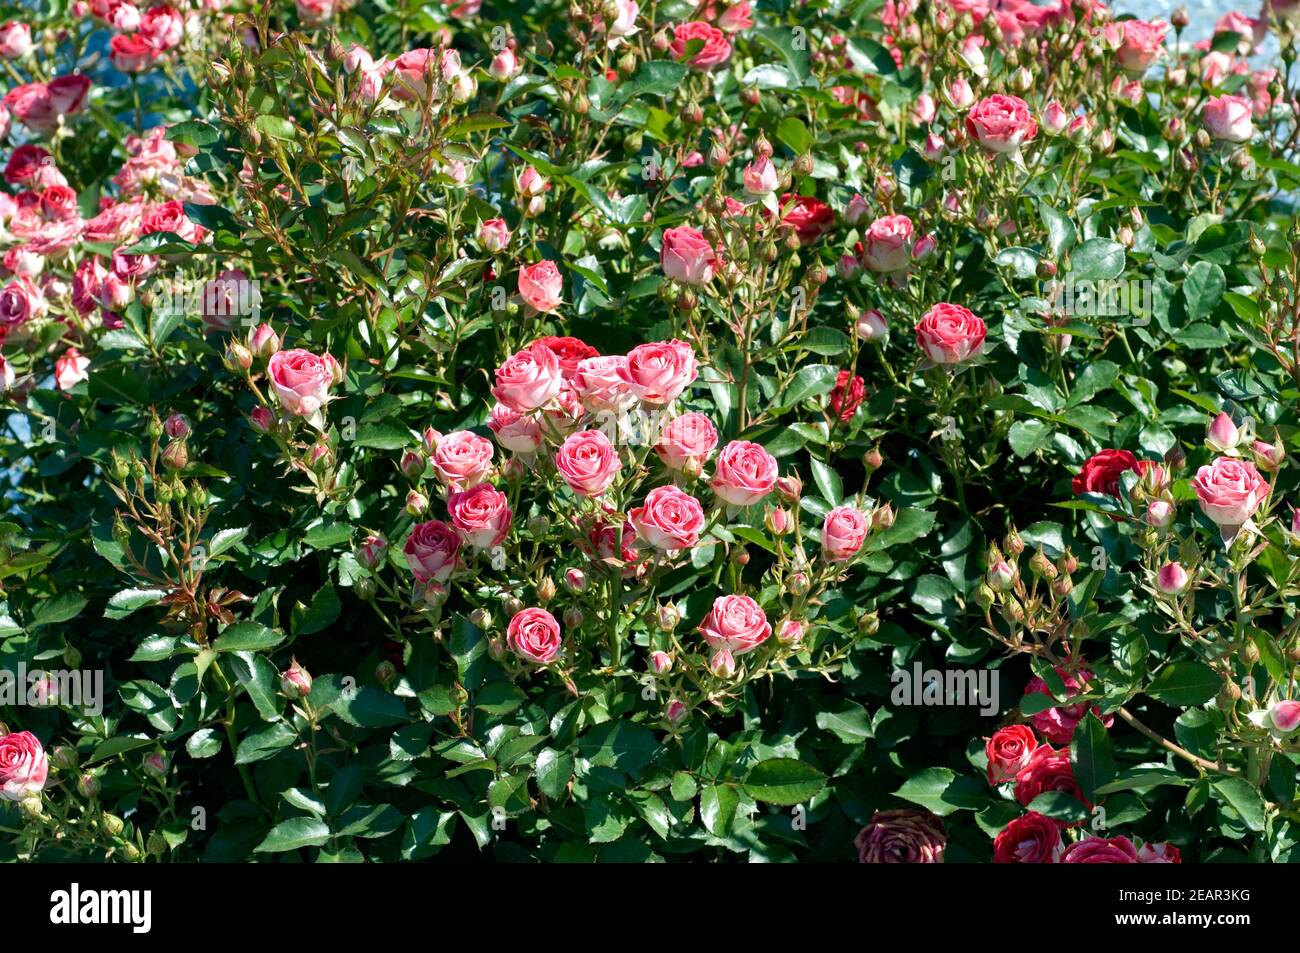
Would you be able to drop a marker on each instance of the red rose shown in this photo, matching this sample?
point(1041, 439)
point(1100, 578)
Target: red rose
point(1008, 752)
point(809, 217)
point(1047, 770)
point(847, 395)
point(1032, 839)
point(1100, 473)
point(1057, 724)
point(716, 49)
point(570, 351)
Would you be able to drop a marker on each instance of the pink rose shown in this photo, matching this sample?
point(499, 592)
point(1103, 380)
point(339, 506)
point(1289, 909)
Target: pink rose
point(171, 217)
point(669, 519)
point(1285, 715)
point(481, 515)
point(950, 334)
point(716, 50)
point(315, 12)
point(745, 473)
point(760, 177)
point(1159, 854)
point(1001, 124)
point(302, 380)
point(1230, 491)
point(843, 533)
point(23, 766)
point(535, 635)
point(1101, 850)
point(686, 256)
point(32, 105)
point(463, 459)
point(1171, 579)
point(1008, 752)
point(513, 430)
point(1057, 724)
point(162, 27)
point(658, 373)
point(1141, 45)
point(736, 624)
point(528, 379)
point(1228, 118)
point(20, 302)
point(26, 163)
point(736, 17)
point(431, 551)
point(7, 376)
point(116, 224)
point(541, 285)
point(687, 441)
point(601, 384)
point(887, 244)
point(15, 40)
point(68, 94)
point(588, 462)
point(494, 235)
point(71, 369)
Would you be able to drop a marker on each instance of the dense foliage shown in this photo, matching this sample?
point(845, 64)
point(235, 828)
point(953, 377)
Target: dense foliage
point(761, 430)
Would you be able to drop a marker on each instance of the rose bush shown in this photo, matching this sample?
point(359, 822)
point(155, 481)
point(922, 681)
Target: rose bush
point(562, 431)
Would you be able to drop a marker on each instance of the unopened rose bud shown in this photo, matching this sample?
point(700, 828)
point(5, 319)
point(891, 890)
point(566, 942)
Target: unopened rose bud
point(1062, 586)
point(869, 623)
point(1001, 576)
point(1068, 563)
point(1268, 456)
point(416, 503)
point(779, 521)
point(429, 440)
point(882, 517)
point(722, 664)
point(545, 590)
point(676, 711)
point(372, 551)
point(412, 464)
point(740, 556)
point(1171, 579)
point(984, 596)
point(385, 672)
point(238, 358)
point(871, 326)
point(751, 96)
point(176, 456)
point(797, 584)
point(111, 824)
point(1180, 18)
point(789, 487)
point(669, 617)
point(1012, 544)
point(660, 662)
point(573, 617)
point(1160, 513)
point(263, 342)
point(538, 526)
point(261, 419)
point(790, 632)
point(88, 785)
point(497, 648)
point(1222, 435)
point(575, 580)
point(295, 681)
point(481, 618)
point(155, 765)
point(1285, 715)
point(176, 427)
point(365, 588)
point(1042, 566)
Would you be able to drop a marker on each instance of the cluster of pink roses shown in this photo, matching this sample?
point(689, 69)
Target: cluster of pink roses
point(143, 36)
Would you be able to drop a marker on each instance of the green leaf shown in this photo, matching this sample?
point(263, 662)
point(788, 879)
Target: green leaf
point(1059, 806)
point(247, 637)
point(1185, 683)
point(1090, 755)
point(1097, 259)
point(204, 743)
point(127, 601)
point(718, 803)
point(942, 791)
point(276, 127)
point(61, 608)
point(783, 781)
point(1244, 799)
point(294, 834)
point(265, 743)
point(828, 481)
point(1203, 289)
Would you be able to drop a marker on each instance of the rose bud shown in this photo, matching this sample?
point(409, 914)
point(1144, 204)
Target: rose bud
point(882, 517)
point(1001, 576)
point(372, 552)
point(676, 711)
point(1160, 513)
point(797, 584)
point(789, 632)
point(660, 662)
point(176, 426)
point(416, 503)
point(497, 648)
point(1268, 456)
point(429, 440)
point(88, 785)
point(155, 765)
point(385, 672)
point(1285, 715)
point(412, 464)
point(238, 358)
point(365, 588)
point(575, 580)
point(669, 617)
point(573, 617)
point(261, 419)
point(1171, 579)
point(1295, 523)
point(722, 664)
point(779, 521)
point(789, 488)
point(263, 342)
point(176, 457)
point(504, 65)
point(482, 619)
point(871, 326)
point(546, 589)
point(493, 236)
point(295, 681)
point(1222, 435)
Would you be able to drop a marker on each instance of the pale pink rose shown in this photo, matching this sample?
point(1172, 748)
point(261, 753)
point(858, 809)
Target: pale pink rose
point(59, 202)
point(1001, 124)
point(86, 281)
point(504, 65)
point(23, 262)
point(356, 59)
point(669, 519)
point(736, 18)
point(950, 334)
point(1171, 579)
point(528, 379)
point(588, 462)
point(1222, 435)
point(531, 183)
point(790, 632)
point(24, 767)
point(431, 551)
point(687, 441)
point(481, 515)
point(463, 459)
point(1230, 491)
point(302, 380)
point(513, 430)
point(1159, 854)
point(658, 373)
point(7, 376)
point(131, 52)
point(624, 24)
point(1055, 119)
point(414, 73)
point(736, 624)
point(959, 93)
point(21, 301)
point(535, 635)
point(315, 12)
point(887, 244)
point(744, 475)
point(493, 235)
point(716, 49)
point(1141, 45)
point(117, 224)
point(601, 384)
point(924, 109)
point(686, 256)
point(226, 298)
point(541, 285)
point(760, 177)
point(15, 40)
point(162, 27)
point(1229, 118)
point(843, 533)
point(71, 369)
point(1285, 715)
